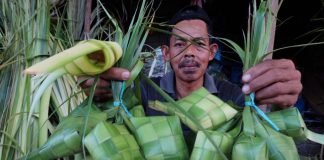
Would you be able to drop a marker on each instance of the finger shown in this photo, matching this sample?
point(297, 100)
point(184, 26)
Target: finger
point(270, 77)
point(100, 83)
point(266, 65)
point(279, 88)
point(115, 73)
point(84, 83)
point(283, 101)
point(82, 79)
point(102, 87)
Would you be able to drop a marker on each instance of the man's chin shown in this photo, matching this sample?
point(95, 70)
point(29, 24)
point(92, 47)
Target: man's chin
point(189, 76)
point(190, 70)
point(189, 73)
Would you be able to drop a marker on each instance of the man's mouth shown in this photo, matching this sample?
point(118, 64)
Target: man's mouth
point(189, 66)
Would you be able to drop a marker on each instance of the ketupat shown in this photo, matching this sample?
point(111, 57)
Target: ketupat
point(112, 141)
point(248, 144)
point(280, 146)
point(292, 124)
point(160, 137)
point(209, 110)
point(203, 149)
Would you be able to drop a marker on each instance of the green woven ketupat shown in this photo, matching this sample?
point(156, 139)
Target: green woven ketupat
point(250, 148)
point(113, 142)
point(203, 149)
point(248, 145)
point(292, 124)
point(281, 147)
point(209, 110)
point(66, 139)
point(160, 137)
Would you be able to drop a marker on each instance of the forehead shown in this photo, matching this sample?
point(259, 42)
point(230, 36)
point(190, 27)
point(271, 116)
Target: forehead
point(190, 29)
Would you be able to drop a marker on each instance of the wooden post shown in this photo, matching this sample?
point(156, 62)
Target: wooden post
point(275, 7)
point(87, 19)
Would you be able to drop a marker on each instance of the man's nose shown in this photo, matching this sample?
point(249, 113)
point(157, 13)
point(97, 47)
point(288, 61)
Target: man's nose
point(191, 50)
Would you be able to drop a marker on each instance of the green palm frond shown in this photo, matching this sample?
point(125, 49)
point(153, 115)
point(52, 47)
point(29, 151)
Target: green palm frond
point(257, 38)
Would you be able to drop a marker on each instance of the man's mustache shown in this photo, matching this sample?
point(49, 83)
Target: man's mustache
point(188, 63)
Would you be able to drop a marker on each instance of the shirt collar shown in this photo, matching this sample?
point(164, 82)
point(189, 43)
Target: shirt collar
point(167, 83)
point(209, 83)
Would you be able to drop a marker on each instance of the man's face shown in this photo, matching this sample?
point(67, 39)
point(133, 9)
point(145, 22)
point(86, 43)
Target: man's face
point(190, 51)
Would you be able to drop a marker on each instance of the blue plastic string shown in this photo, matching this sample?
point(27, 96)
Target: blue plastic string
point(120, 100)
point(260, 112)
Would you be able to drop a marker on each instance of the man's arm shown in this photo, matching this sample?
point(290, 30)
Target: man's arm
point(275, 82)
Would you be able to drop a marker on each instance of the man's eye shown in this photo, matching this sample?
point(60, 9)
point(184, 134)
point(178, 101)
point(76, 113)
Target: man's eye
point(202, 44)
point(179, 44)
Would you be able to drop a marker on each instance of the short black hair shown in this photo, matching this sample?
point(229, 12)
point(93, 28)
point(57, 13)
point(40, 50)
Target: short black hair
point(191, 12)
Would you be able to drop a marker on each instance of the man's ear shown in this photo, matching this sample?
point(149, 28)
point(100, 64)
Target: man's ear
point(213, 48)
point(165, 51)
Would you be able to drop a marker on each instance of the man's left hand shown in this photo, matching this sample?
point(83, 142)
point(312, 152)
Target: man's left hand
point(275, 82)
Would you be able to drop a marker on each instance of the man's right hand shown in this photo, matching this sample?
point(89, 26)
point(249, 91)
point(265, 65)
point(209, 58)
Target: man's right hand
point(103, 88)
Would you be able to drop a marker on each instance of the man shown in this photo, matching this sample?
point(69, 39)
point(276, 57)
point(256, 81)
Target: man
point(273, 81)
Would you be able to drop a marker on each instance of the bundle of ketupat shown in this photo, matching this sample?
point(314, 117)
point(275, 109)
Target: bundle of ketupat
point(247, 135)
point(153, 135)
point(223, 132)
